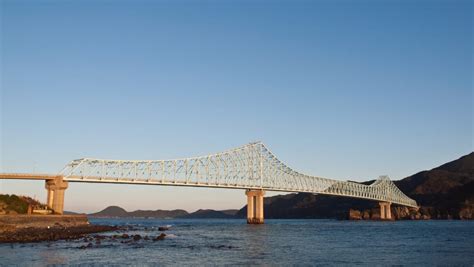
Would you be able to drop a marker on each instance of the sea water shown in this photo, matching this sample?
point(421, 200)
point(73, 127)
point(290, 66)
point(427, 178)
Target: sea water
point(277, 242)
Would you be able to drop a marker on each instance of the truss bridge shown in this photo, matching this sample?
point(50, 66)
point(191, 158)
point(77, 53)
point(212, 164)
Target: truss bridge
point(252, 167)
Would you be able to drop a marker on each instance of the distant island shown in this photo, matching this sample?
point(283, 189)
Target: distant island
point(114, 211)
point(445, 192)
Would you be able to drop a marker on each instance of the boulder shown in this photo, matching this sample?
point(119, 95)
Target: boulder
point(366, 215)
point(354, 215)
point(466, 213)
point(160, 237)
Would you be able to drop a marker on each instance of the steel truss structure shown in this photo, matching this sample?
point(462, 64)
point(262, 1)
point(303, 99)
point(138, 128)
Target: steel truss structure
point(252, 166)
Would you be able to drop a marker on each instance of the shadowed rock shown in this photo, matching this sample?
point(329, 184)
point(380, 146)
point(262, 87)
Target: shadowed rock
point(160, 237)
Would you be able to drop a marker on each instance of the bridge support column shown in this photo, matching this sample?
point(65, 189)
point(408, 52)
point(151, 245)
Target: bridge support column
point(250, 206)
point(255, 206)
point(385, 210)
point(56, 188)
point(49, 199)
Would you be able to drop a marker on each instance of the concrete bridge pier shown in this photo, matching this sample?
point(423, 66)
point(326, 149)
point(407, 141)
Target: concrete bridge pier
point(385, 210)
point(49, 198)
point(255, 206)
point(55, 198)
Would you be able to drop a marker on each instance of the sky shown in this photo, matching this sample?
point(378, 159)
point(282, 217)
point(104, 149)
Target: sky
point(337, 89)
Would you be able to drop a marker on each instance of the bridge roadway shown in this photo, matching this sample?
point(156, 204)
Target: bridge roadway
point(251, 167)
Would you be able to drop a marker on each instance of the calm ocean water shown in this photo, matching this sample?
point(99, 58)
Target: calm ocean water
point(278, 242)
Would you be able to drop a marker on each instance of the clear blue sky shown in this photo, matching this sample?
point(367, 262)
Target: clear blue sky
point(339, 89)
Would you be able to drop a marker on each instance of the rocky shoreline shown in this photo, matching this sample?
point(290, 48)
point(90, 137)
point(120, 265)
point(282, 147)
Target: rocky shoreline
point(405, 213)
point(75, 228)
point(32, 234)
point(36, 228)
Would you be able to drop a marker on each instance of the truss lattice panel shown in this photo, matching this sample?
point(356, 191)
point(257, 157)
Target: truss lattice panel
point(251, 166)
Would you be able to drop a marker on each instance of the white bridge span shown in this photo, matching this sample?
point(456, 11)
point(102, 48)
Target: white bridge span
point(252, 166)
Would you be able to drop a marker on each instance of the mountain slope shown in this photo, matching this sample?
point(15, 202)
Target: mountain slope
point(446, 191)
point(210, 214)
point(111, 211)
point(441, 179)
point(13, 204)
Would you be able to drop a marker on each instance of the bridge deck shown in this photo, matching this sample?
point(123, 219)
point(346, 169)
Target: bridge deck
point(29, 176)
point(44, 177)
